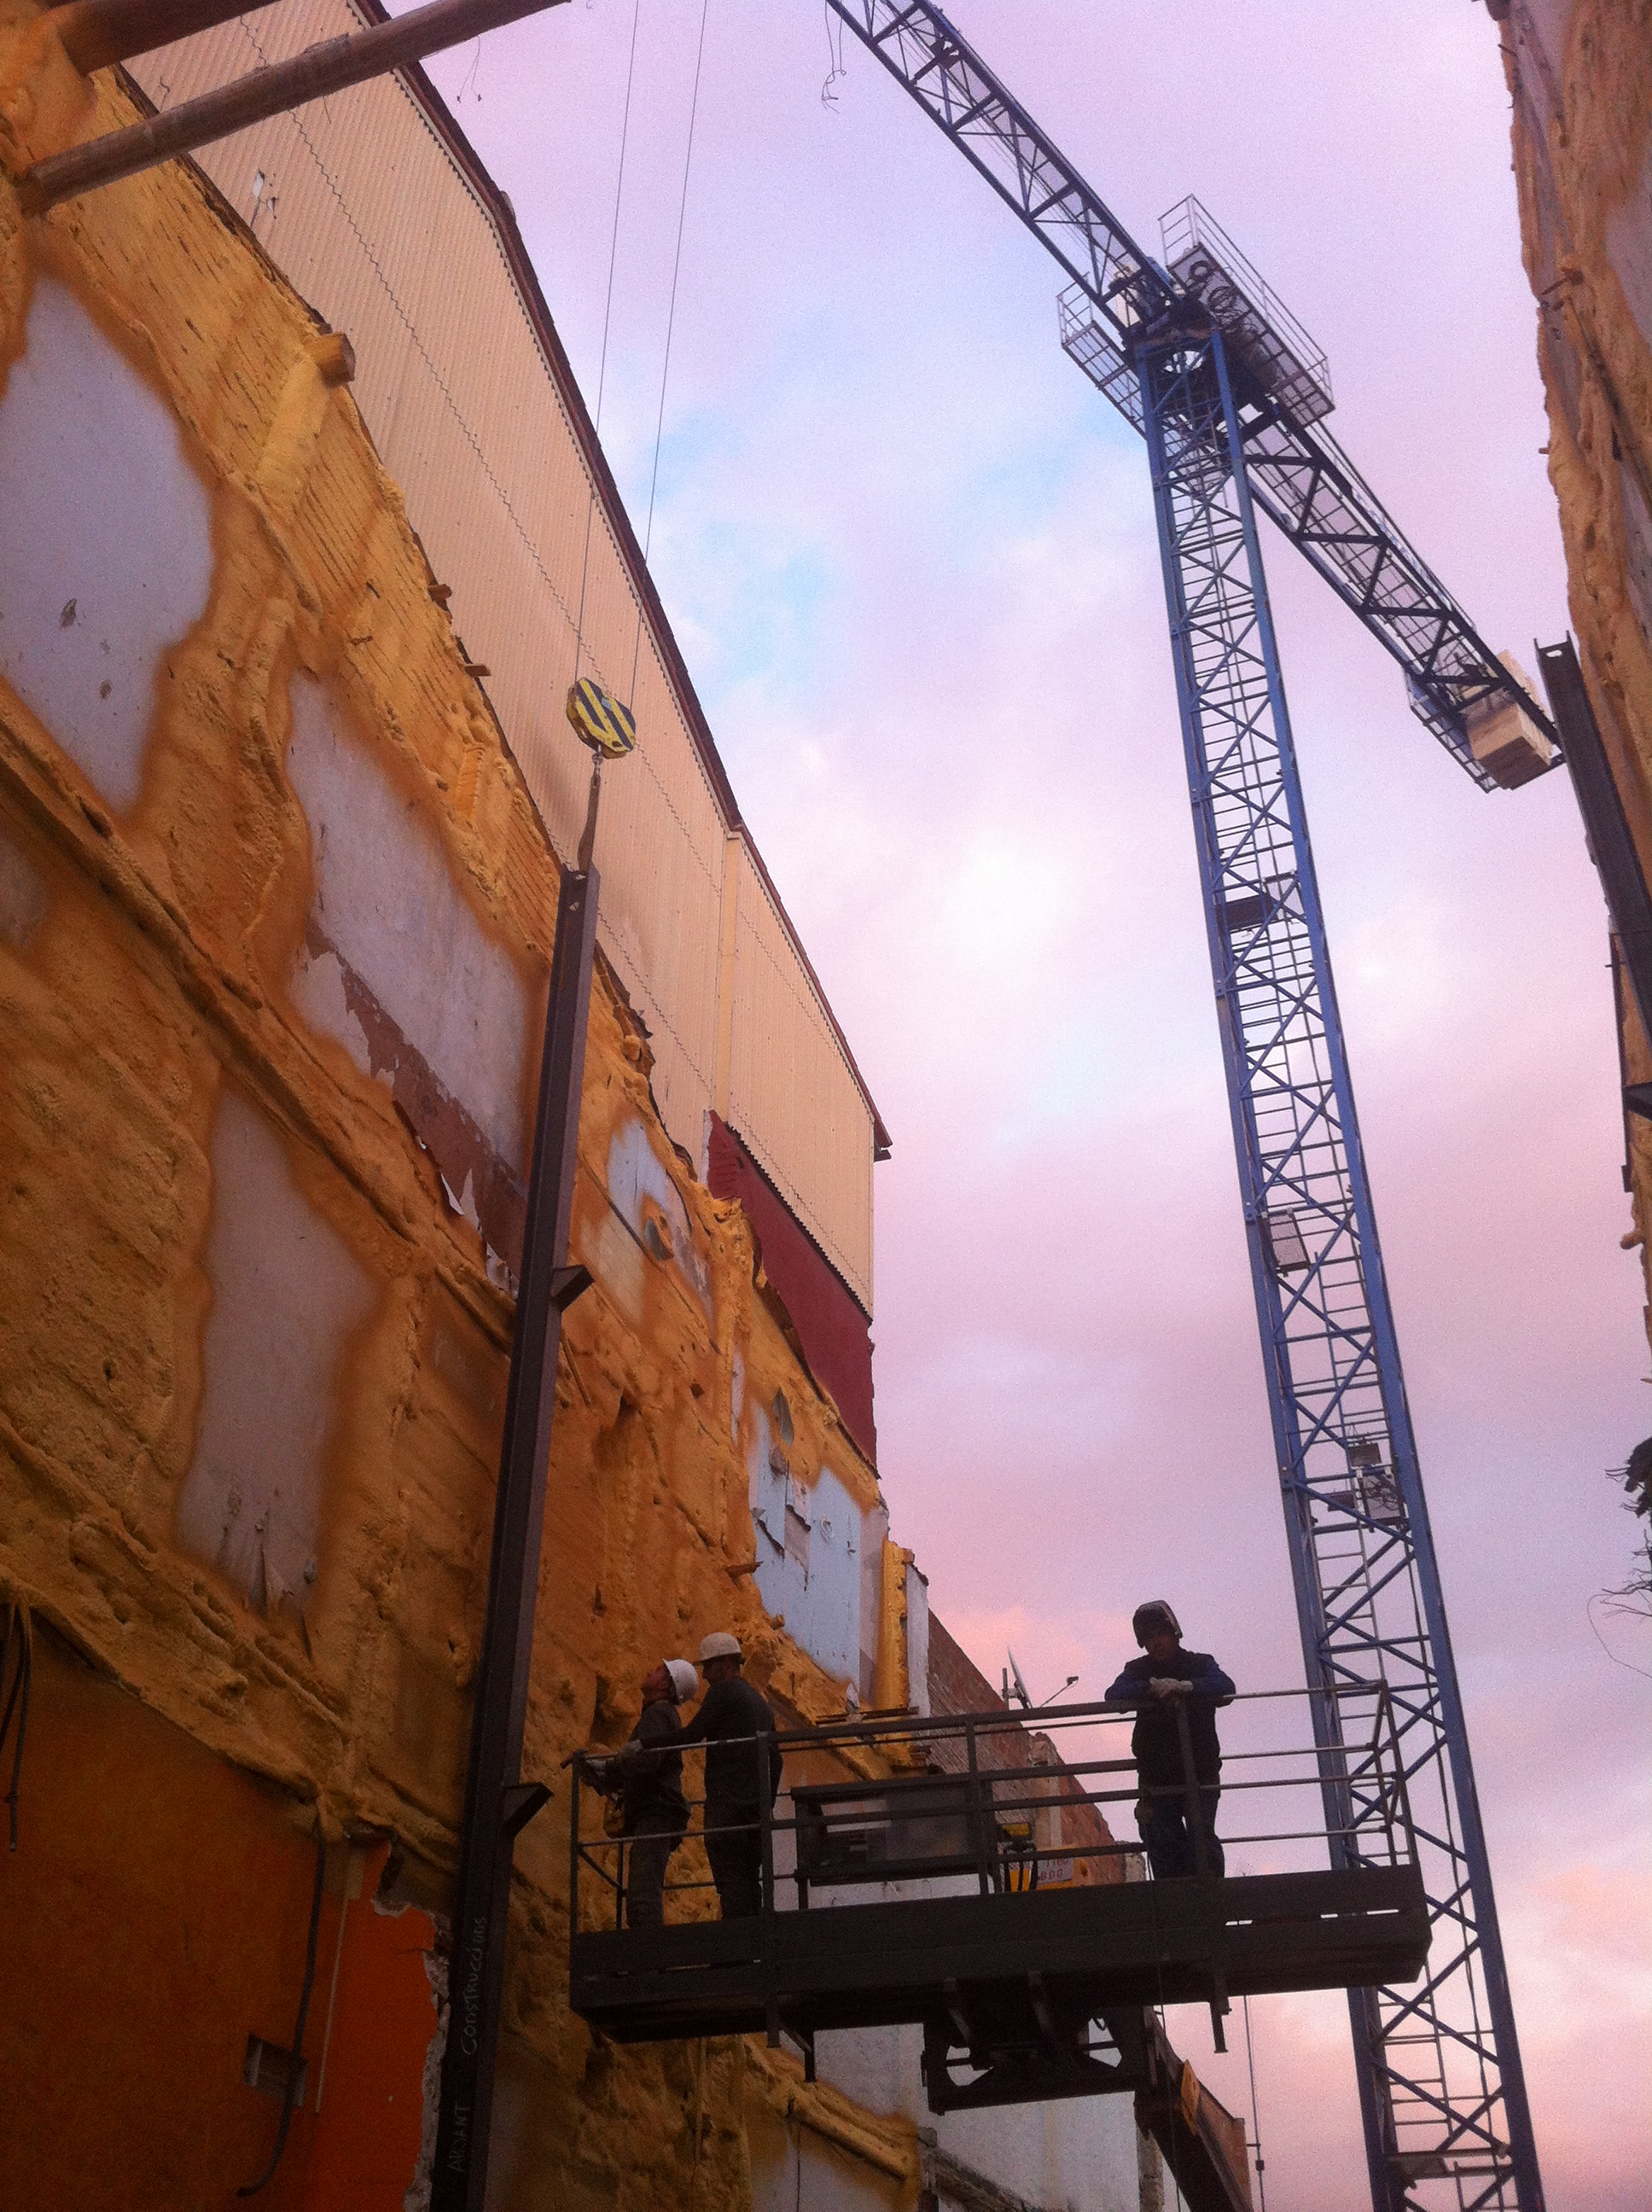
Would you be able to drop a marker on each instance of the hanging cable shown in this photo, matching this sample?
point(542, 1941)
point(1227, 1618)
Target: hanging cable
point(19, 1630)
point(1158, 1959)
point(295, 2056)
point(607, 319)
point(1256, 2117)
point(671, 324)
point(835, 68)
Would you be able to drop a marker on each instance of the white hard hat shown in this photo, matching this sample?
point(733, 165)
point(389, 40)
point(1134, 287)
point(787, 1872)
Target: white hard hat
point(720, 1645)
point(684, 1679)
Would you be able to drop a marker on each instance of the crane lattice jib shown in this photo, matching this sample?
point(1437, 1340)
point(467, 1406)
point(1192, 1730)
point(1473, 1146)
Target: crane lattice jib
point(1442, 2096)
point(994, 131)
point(1299, 477)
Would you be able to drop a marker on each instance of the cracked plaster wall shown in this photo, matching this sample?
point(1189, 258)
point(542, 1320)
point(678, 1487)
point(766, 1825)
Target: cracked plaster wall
point(175, 1083)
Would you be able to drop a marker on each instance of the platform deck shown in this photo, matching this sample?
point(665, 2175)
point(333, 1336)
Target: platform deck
point(875, 1963)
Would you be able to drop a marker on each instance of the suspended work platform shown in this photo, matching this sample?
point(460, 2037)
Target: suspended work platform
point(1141, 1943)
point(976, 1888)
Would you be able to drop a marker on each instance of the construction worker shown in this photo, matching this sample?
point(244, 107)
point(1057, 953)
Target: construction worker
point(645, 1775)
point(1164, 1681)
point(733, 1723)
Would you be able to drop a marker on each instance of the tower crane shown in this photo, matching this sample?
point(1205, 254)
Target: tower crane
point(1230, 395)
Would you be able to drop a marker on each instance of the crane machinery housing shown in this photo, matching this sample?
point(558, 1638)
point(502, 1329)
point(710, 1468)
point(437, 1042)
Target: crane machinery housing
point(1231, 396)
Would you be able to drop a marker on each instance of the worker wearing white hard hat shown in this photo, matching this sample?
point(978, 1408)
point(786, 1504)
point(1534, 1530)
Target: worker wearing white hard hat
point(741, 1761)
point(646, 1775)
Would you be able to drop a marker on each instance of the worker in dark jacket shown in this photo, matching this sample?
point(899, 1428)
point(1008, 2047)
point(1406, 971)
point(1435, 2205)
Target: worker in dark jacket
point(645, 1775)
point(733, 1723)
point(1164, 1681)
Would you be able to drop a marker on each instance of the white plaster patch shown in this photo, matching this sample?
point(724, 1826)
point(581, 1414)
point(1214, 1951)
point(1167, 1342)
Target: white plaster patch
point(616, 1261)
point(106, 541)
point(22, 895)
point(462, 1202)
point(810, 1539)
point(386, 899)
point(766, 1495)
point(286, 1292)
point(317, 990)
point(636, 1173)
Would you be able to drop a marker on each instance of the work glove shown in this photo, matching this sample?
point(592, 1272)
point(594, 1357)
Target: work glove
point(622, 1763)
point(1166, 1686)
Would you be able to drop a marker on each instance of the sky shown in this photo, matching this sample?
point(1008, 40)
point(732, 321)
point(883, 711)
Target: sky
point(908, 553)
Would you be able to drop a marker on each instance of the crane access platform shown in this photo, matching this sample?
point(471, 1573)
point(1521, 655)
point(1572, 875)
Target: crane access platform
point(959, 1871)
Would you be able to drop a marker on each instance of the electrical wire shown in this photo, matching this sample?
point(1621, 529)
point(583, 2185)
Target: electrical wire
point(19, 1629)
point(835, 68)
point(295, 2056)
point(670, 325)
point(607, 319)
point(1159, 1961)
point(1255, 2116)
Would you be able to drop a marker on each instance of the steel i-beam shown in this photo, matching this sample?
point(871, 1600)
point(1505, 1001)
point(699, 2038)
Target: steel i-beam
point(497, 1802)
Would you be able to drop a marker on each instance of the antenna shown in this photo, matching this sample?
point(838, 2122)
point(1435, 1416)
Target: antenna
point(1054, 1694)
point(1015, 1687)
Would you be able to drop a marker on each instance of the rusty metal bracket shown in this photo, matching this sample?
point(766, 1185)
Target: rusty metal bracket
point(521, 1802)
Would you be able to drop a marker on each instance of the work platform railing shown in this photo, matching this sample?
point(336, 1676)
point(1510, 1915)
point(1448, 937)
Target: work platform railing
point(963, 1873)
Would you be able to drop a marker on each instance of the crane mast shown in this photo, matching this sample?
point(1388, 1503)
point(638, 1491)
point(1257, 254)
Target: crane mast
point(1232, 425)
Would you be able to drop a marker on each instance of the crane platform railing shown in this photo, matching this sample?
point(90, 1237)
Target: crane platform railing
point(962, 1872)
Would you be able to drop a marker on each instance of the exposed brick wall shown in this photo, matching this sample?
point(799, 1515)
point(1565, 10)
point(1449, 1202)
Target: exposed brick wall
point(956, 1685)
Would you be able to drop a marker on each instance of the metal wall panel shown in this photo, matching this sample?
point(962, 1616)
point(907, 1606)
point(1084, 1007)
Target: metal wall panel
point(792, 1095)
point(372, 218)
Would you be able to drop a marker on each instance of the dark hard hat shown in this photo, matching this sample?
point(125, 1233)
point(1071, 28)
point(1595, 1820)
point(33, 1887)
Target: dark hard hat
point(1154, 1614)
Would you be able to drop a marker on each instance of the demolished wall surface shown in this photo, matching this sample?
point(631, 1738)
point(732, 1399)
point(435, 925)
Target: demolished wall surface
point(1580, 72)
point(275, 908)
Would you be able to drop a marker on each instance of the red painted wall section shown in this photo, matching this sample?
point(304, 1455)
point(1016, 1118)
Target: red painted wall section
point(156, 1913)
point(831, 1324)
point(383, 2018)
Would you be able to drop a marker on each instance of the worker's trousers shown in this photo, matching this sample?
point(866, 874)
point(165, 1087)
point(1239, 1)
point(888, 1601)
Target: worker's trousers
point(651, 1843)
point(1166, 1830)
point(735, 1848)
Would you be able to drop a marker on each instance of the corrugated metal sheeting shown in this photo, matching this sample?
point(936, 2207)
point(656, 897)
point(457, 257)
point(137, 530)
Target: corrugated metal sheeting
point(799, 1119)
point(379, 219)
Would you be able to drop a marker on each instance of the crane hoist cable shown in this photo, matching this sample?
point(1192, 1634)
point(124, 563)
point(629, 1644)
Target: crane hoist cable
point(607, 319)
point(671, 324)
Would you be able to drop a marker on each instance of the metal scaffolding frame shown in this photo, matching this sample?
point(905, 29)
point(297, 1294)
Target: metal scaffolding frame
point(1441, 2091)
